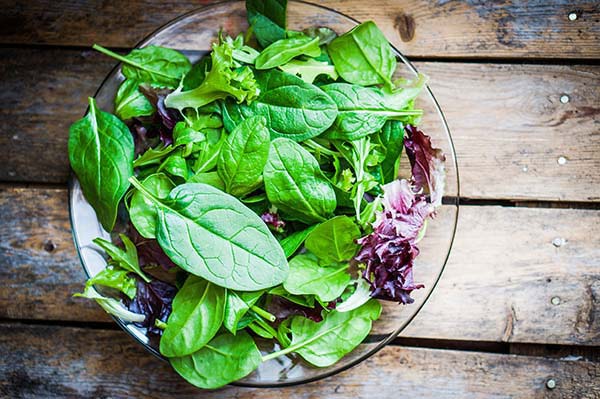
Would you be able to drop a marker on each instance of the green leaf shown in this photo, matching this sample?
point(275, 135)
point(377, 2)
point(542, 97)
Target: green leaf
point(363, 56)
point(308, 70)
point(295, 184)
point(210, 178)
point(115, 278)
point(360, 296)
point(197, 73)
point(334, 240)
point(392, 138)
point(126, 259)
point(303, 300)
point(291, 243)
point(152, 64)
point(243, 157)
point(241, 255)
point(111, 306)
point(153, 156)
point(175, 165)
point(237, 305)
point(197, 315)
point(209, 153)
point(143, 211)
point(225, 359)
point(293, 108)
point(284, 50)
point(184, 135)
point(101, 154)
point(130, 102)
point(307, 277)
point(325, 35)
point(323, 344)
point(267, 19)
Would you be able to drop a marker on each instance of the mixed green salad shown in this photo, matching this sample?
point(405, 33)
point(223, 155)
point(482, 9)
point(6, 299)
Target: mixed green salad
point(254, 195)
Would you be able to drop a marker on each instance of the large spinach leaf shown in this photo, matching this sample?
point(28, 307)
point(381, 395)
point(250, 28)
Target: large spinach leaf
point(334, 240)
point(241, 254)
point(243, 156)
point(284, 50)
point(363, 56)
point(293, 108)
point(142, 210)
point(324, 343)
point(295, 184)
point(101, 154)
point(152, 64)
point(130, 102)
point(223, 360)
point(267, 19)
point(307, 277)
point(197, 315)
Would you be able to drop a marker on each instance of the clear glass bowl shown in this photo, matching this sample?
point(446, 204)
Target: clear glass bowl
point(193, 34)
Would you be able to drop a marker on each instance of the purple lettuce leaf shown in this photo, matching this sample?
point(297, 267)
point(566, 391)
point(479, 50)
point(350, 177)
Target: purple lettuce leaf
point(149, 252)
point(273, 220)
point(153, 300)
point(164, 118)
point(282, 309)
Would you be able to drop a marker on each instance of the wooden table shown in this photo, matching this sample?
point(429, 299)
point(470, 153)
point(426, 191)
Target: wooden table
point(517, 312)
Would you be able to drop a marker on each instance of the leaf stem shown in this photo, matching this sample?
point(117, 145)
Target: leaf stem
point(160, 324)
point(266, 326)
point(263, 313)
point(112, 54)
point(318, 147)
point(136, 183)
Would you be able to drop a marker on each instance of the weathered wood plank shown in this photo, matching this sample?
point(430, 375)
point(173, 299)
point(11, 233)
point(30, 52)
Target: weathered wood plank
point(54, 362)
point(504, 118)
point(498, 285)
point(418, 27)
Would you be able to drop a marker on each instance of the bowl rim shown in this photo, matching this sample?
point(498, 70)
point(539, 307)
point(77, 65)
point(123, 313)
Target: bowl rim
point(455, 201)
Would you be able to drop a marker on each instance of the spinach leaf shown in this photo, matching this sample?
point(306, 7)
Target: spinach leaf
point(197, 73)
point(307, 277)
point(325, 35)
point(126, 259)
point(197, 315)
point(392, 138)
point(267, 19)
point(292, 107)
point(153, 156)
point(291, 243)
point(142, 211)
point(363, 56)
point(241, 256)
point(243, 157)
point(209, 152)
point(334, 240)
point(295, 184)
point(111, 306)
point(101, 154)
point(223, 360)
point(152, 64)
point(362, 110)
point(175, 165)
point(115, 278)
point(284, 50)
point(210, 178)
point(237, 305)
point(308, 70)
point(130, 102)
point(324, 343)
point(183, 135)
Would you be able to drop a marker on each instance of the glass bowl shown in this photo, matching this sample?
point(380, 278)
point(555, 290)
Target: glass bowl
point(193, 34)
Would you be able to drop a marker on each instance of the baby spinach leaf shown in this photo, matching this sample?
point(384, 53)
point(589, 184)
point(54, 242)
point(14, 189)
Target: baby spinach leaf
point(130, 102)
point(197, 73)
point(142, 211)
point(308, 70)
point(115, 278)
point(152, 64)
point(334, 240)
point(307, 277)
point(363, 56)
point(295, 184)
point(126, 259)
point(101, 154)
point(153, 156)
point(210, 178)
point(111, 306)
point(291, 243)
point(392, 138)
point(324, 343)
point(223, 360)
point(284, 50)
point(361, 110)
point(242, 255)
point(175, 165)
point(197, 315)
point(243, 157)
point(237, 305)
point(293, 108)
point(209, 152)
point(184, 135)
point(267, 19)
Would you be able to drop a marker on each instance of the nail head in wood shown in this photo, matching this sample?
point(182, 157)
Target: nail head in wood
point(573, 16)
point(555, 300)
point(558, 242)
point(561, 160)
point(564, 99)
point(551, 384)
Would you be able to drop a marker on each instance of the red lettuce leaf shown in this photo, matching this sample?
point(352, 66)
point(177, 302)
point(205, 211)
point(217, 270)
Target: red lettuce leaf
point(281, 308)
point(153, 300)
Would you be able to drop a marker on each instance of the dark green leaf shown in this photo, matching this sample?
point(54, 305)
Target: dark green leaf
point(130, 102)
point(334, 240)
point(197, 73)
point(101, 154)
point(142, 210)
point(291, 243)
point(284, 50)
point(267, 19)
point(392, 138)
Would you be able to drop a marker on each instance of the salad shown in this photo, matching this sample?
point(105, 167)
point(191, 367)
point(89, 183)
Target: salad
point(255, 194)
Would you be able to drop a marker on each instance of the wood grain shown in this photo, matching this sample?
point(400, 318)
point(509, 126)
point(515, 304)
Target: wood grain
point(498, 284)
point(508, 124)
point(417, 27)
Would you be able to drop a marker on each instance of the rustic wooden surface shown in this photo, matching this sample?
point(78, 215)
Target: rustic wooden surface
point(518, 303)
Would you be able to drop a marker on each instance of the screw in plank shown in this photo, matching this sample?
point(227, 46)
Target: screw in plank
point(573, 16)
point(564, 99)
point(558, 242)
point(561, 160)
point(555, 300)
point(525, 169)
point(551, 384)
